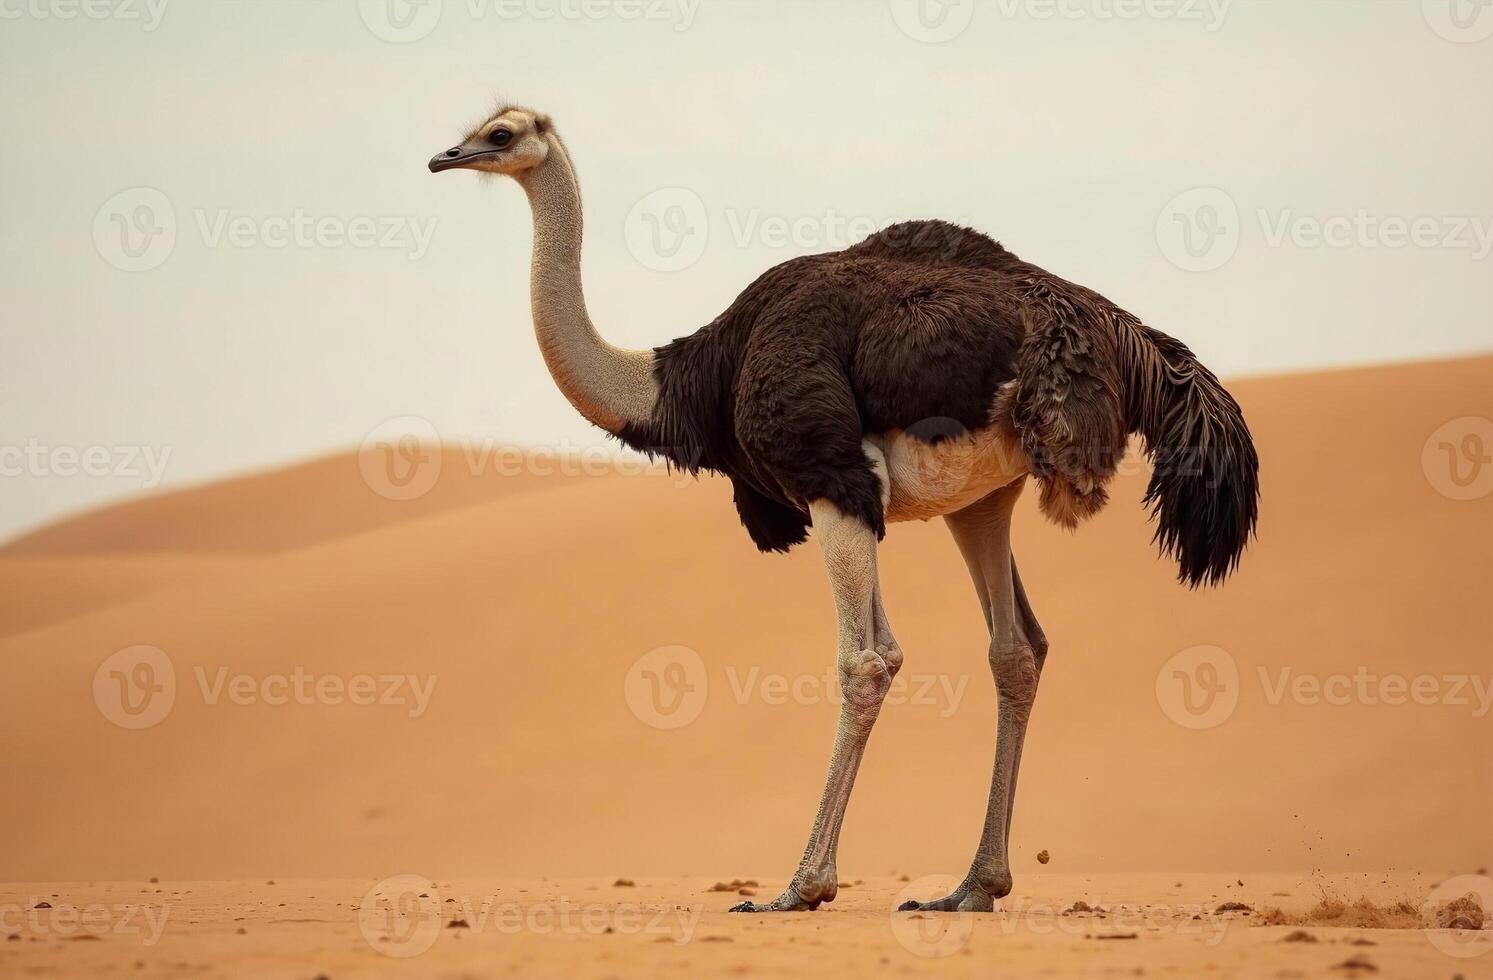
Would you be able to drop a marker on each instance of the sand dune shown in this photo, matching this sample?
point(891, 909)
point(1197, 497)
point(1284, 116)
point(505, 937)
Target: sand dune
point(289, 508)
point(39, 590)
point(538, 751)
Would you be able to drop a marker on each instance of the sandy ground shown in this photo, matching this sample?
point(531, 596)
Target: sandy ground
point(1143, 925)
point(302, 676)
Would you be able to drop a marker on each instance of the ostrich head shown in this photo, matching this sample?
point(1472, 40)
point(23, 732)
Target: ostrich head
point(511, 142)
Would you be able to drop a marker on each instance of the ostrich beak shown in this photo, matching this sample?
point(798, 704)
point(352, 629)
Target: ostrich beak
point(464, 155)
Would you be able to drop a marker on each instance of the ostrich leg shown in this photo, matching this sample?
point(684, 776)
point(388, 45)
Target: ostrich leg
point(868, 659)
point(982, 531)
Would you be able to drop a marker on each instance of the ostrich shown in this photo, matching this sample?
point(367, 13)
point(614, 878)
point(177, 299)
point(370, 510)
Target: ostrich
point(924, 372)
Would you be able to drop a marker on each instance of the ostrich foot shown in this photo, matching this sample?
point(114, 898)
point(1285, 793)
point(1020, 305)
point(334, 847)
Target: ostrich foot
point(797, 897)
point(967, 897)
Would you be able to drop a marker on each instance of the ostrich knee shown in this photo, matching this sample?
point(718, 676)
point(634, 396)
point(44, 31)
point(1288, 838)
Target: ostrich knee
point(1016, 666)
point(865, 678)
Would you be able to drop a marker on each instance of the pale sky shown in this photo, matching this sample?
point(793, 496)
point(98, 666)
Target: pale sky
point(220, 249)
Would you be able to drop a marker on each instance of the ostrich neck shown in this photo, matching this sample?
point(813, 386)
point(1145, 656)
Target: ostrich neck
point(610, 386)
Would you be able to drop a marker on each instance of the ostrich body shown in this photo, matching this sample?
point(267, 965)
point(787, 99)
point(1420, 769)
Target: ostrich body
point(924, 372)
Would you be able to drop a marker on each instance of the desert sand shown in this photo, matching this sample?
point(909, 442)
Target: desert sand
point(576, 679)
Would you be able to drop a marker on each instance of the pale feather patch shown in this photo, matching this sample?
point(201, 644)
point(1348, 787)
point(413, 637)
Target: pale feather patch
point(933, 479)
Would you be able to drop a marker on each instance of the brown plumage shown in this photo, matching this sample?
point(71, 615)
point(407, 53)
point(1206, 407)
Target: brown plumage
point(936, 329)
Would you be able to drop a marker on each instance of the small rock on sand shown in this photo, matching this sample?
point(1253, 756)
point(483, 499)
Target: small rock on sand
point(1298, 936)
point(1043, 857)
point(1357, 964)
point(624, 883)
point(1233, 907)
point(1461, 913)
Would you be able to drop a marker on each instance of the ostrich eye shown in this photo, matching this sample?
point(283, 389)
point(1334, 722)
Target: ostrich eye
point(499, 137)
